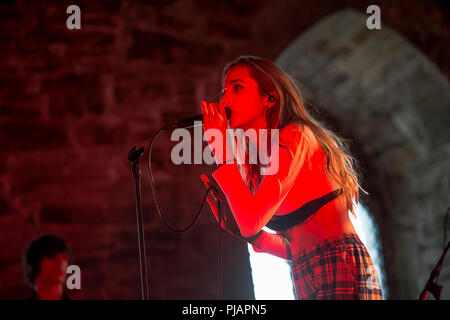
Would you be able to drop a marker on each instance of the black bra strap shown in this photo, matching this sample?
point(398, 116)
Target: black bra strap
point(280, 223)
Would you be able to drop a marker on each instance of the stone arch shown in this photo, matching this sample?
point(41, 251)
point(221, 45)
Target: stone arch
point(384, 95)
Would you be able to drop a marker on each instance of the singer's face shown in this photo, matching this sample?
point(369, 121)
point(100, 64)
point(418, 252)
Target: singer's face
point(242, 97)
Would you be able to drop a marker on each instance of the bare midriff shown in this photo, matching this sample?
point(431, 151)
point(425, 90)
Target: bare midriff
point(332, 219)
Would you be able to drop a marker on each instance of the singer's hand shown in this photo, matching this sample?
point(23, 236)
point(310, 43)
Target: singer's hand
point(212, 197)
point(215, 117)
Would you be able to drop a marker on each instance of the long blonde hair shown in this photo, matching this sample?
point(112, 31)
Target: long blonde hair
point(341, 166)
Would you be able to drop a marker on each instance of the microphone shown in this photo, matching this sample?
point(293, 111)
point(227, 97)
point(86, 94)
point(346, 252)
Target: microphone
point(190, 122)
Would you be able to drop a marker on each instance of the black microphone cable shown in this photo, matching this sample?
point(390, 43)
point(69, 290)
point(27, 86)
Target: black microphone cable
point(153, 187)
point(164, 220)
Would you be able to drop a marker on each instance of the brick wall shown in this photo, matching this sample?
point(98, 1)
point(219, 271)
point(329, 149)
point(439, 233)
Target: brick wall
point(73, 103)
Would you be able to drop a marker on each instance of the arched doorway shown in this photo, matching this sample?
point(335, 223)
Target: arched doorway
point(392, 103)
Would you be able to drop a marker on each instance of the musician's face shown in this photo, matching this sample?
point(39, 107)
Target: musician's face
point(241, 95)
point(53, 270)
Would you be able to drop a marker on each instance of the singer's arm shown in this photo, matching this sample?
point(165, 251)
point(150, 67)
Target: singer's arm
point(252, 212)
point(263, 241)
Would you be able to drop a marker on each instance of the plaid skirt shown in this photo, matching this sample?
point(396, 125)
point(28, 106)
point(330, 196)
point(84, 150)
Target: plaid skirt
point(338, 268)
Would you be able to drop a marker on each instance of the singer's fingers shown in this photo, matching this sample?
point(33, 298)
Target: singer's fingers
point(213, 192)
point(211, 200)
point(205, 180)
point(213, 207)
point(218, 112)
point(208, 109)
point(206, 183)
point(213, 195)
point(204, 109)
point(212, 112)
point(222, 110)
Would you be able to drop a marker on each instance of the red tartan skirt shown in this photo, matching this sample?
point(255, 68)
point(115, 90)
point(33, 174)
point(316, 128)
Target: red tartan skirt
point(338, 268)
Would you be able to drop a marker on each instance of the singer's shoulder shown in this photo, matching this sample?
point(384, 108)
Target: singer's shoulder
point(296, 137)
point(291, 133)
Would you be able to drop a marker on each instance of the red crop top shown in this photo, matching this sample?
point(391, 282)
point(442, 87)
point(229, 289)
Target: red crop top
point(301, 177)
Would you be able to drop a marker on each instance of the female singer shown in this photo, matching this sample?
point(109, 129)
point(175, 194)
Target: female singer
point(306, 200)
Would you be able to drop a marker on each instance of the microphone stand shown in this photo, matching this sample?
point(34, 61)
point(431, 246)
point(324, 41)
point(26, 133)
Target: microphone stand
point(431, 285)
point(134, 156)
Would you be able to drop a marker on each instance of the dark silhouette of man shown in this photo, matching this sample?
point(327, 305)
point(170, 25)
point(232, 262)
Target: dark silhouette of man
point(45, 261)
